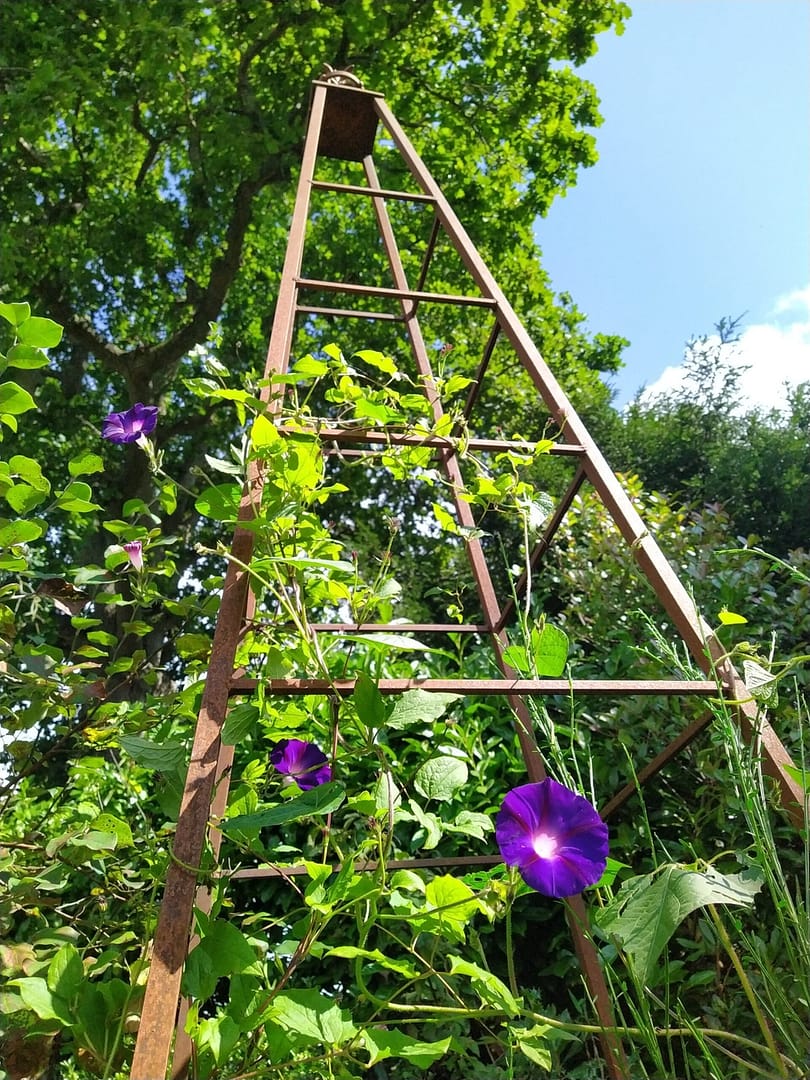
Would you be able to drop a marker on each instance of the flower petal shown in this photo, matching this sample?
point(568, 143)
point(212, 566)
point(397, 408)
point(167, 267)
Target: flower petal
point(303, 761)
point(516, 825)
point(128, 426)
point(552, 810)
point(134, 550)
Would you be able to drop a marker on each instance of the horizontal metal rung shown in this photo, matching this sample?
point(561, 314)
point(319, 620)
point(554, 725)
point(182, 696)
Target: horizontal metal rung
point(347, 313)
point(395, 294)
point(381, 438)
point(372, 864)
point(384, 193)
point(400, 628)
point(487, 687)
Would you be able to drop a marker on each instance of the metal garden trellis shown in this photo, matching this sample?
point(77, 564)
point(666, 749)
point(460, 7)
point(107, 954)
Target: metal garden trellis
point(343, 124)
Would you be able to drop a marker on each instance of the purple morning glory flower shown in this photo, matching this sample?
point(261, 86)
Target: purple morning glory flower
point(126, 427)
point(302, 761)
point(553, 836)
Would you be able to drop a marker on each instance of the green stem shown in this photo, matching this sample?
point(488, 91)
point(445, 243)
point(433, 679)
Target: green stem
point(764, 1027)
point(442, 1012)
point(510, 955)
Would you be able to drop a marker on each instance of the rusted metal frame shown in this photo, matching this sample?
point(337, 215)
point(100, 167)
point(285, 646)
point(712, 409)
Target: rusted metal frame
point(370, 865)
point(281, 335)
point(393, 438)
point(428, 256)
point(380, 628)
point(450, 466)
point(399, 628)
point(475, 388)
point(705, 648)
point(276, 361)
point(341, 451)
point(506, 687)
point(448, 459)
point(170, 946)
point(204, 897)
point(543, 544)
point(352, 289)
point(385, 193)
point(348, 313)
point(575, 908)
point(680, 742)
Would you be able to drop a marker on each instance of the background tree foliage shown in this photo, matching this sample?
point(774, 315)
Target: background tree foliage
point(149, 154)
point(147, 172)
point(702, 445)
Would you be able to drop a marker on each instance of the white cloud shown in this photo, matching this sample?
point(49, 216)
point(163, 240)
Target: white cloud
point(798, 299)
point(775, 352)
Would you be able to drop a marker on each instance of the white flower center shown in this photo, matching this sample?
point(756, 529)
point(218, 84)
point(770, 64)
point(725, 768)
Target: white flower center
point(544, 845)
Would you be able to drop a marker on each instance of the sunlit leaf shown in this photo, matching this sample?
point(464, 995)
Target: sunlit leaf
point(241, 721)
point(26, 357)
point(383, 1043)
point(165, 757)
point(440, 778)
point(15, 313)
point(311, 1014)
point(15, 400)
point(549, 647)
point(321, 800)
point(85, 463)
point(489, 987)
point(648, 910)
point(419, 706)
point(39, 332)
point(730, 618)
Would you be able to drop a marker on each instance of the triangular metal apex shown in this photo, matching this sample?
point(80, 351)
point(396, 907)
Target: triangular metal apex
point(349, 125)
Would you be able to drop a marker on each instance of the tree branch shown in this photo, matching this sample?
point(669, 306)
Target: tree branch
point(152, 141)
point(139, 366)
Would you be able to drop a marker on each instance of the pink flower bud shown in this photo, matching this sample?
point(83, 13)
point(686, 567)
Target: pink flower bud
point(134, 550)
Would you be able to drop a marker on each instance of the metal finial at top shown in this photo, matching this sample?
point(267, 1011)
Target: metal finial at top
point(340, 77)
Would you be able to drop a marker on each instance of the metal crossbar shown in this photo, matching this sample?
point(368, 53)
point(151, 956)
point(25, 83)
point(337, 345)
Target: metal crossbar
point(343, 123)
point(399, 294)
point(437, 442)
point(486, 687)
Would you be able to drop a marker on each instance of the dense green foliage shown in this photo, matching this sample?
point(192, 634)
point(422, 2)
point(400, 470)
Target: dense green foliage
point(148, 160)
point(428, 958)
point(147, 169)
point(701, 445)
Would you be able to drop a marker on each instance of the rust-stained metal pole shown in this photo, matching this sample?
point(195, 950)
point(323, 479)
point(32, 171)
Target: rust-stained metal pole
point(153, 1045)
point(576, 912)
point(203, 899)
point(171, 936)
point(707, 651)
point(342, 124)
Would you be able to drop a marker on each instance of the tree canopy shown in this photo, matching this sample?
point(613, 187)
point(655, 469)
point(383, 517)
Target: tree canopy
point(149, 152)
point(703, 445)
point(149, 156)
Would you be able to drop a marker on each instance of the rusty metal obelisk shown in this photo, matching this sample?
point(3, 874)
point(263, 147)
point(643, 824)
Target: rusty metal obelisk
point(345, 121)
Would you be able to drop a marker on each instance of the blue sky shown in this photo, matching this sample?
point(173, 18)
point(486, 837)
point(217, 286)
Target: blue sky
point(699, 206)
